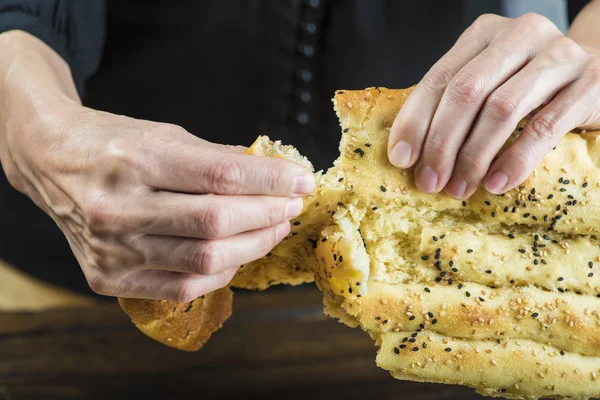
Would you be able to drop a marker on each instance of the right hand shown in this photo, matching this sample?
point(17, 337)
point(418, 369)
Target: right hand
point(149, 210)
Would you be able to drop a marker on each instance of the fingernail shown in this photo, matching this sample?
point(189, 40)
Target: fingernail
point(456, 187)
point(282, 231)
point(496, 182)
point(400, 154)
point(293, 207)
point(303, 184)
point(426, 179)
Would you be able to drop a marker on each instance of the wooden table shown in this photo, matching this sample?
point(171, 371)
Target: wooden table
point(277, 345)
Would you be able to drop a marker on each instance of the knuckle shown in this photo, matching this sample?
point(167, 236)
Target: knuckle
point(567, 48)
point(466, 89)
point(15, 179)
point(206, 258)
point(543, 128)
point(99, 213)
point(186, 291)
point(119, 152)
point(215, 220)
point(592, 69)
point(99, 284)
point(436, 80)
point(227, 176)
point(536, 21)
point(503, 106)
point(472, 165)
point(439, 145)
point(484, 20)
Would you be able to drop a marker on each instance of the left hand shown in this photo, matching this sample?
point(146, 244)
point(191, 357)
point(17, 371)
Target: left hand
point(457, 119)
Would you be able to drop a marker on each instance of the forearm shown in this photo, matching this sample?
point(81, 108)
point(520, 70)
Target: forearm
point(585, 29)
point(33, 78)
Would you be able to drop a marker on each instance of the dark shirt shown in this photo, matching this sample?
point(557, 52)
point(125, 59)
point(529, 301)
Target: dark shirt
point(226, 71)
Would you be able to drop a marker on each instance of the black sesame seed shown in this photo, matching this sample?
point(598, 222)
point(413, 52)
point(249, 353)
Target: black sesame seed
point(489, 271)
point(347, 129)
point(514, 210)
point(414, 334)
point(437, 256)
point(543, 261)
point(550, 196)
point(449, 281)
point(383, 188)
point(448, 349)
point(396, 350)
point(535, 315)
point(340, 258)
point(533, 191)
point(481, 299)
point(335, 257)
point(438, 279)
point(590, 274)
point(546, 237)
point(468, 294)
point(506, 209)
point(526, 215)
point(435, 239)
point(296, 223)
point(560, 180)
point(534, 218)
point(562, 352)
point(470, 251)
point(454, 269)
point(427, 290)
point(415, 349)
point(438, 250)
point(487, 202)
point(493, 214)
point(460, 285)
point(535, 262)
point(443, 236)
point(434, 321)
point(521, 250)
point(591, 264)
point(464, 203)
point(585, 184)
point(368, 144)
point(560, 279)
point(402, 346)
point(422, 326)
point(424, 345)
point(412, 318)
point(563, 189)
point(561, 290)
point(424, 258)
point(510, 235)
point(404, 340)
point(558, 207)
point(566, 182)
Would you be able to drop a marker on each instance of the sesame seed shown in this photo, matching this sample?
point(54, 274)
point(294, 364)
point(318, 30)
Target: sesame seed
point(585, 184)
point(460, 285)
point(383, 188)
point(560, 279)
point(489, 271)
point(562, 352)
point(396, 350)
point(510, 235)
point(487, 202)
point(427, 290)
point(550, 196)
point(566, 182)
point(435, 239)
point(470, 251)
point(521, 250)
point(590, 274)
point(412, 318)
point(424, 258)
point(415, 349)
point(464, 203)
point(534, 315)
point(468, 294)
point(591, 264)
point(448, 349)
point(526, 215)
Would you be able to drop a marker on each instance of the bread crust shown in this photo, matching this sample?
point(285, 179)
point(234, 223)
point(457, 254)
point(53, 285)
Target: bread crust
point(498, 293)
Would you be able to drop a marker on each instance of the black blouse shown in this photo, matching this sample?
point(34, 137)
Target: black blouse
point(226, 71)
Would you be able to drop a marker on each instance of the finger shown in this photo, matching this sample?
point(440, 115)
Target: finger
point(192, 169)
point(536, 83)
point(568, 109)
point(191, 216)
point(166, 285)
point(462, 102)
point(208, 257)
point(213, 216)
point(412, 122)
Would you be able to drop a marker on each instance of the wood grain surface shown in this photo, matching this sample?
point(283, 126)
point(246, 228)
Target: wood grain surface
point(277, 345)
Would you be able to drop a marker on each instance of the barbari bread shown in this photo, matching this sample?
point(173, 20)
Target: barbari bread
point(499, 293)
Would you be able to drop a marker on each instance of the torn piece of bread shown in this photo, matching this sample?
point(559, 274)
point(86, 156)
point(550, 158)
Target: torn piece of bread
point(188, 326)
point(499, 293)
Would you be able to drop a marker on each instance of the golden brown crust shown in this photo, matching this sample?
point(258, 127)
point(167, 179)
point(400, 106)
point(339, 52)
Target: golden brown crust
point(498, 293)
point(185, 326)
